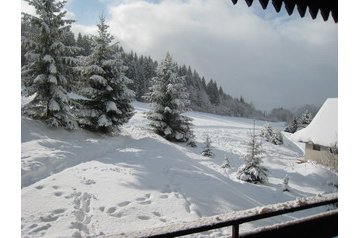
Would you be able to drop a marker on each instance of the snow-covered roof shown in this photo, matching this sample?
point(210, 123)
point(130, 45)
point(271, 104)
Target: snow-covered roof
point(323, 129)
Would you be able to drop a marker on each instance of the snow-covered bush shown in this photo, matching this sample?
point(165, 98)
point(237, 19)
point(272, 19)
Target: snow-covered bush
point(271, 135)
point(105, 85)
point(226, 164)
point(299, 122)
point(169, 99)
point(285, 183)
point(252, 170)
point(207, 149)
point(47, 64)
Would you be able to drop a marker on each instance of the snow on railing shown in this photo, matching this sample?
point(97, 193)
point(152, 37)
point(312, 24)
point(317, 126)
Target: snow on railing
point(235, 218)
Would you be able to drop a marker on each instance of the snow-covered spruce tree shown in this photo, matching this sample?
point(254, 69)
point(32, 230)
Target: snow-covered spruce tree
point(252, 170)
point(105, 85)
point(207, 149)
point(47, 61)
point(271, 135)
point(292, 125)
point(169, 99)
point(305, 119)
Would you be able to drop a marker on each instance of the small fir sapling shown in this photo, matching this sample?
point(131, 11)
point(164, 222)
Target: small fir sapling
point(191, 142)
point(207, 149)
point(226, 164)
point(285, 187)
point(252, 170)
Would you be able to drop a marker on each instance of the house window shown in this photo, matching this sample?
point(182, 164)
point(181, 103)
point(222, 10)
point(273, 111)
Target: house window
point(316, 147)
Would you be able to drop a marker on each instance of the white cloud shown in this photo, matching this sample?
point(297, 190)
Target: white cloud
point(78, 28)
point(273, 62)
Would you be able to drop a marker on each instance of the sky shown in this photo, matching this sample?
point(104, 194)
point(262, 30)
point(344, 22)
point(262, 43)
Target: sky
point(269, 58)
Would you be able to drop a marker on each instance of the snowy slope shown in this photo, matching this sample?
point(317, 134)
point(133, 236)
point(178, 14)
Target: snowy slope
point(78, 184)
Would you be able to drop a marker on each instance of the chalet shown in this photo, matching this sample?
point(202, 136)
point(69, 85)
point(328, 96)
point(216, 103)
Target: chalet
point(321, 135)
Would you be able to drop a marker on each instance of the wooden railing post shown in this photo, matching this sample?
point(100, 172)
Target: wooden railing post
point(235, 231)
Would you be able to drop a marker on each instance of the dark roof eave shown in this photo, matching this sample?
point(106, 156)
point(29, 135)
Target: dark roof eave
point(326, 7)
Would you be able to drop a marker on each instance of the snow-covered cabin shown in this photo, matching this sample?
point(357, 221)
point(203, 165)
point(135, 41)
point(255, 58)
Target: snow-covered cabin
point(321, 135)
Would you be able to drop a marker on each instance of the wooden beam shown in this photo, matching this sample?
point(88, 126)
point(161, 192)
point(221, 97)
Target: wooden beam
point(302, 7)
point(235, 231)
point(324, 14)
point(264, 3)
point(289, 5)
point(249, 2)
point(313, 11)
point(334, 14)
point(277, 4)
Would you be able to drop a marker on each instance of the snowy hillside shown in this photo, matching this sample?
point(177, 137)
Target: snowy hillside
point(79, 184)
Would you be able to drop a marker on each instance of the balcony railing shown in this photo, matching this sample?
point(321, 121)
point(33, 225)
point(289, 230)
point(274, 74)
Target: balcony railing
point(324, 224)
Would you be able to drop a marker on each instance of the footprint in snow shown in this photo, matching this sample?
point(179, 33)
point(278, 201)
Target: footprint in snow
point(117, 214)
point(58, 211)
point(53, 216)
point(41, 228)
point(143, 217)
point(157, 214)
point(33, 226)
point(39, 187)
point(140, 199)
point(111, 209)
point(58, 194)
point(146, 202)
point(123, 204)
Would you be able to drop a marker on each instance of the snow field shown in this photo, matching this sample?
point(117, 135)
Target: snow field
point(79, 184)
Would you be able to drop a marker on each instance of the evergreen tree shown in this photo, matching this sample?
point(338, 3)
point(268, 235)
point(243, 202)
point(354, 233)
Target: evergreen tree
point(299, 122)
point(207, 149)
point(84, 42)
point(305, 119)
point(108, 105)
point(271, 135)
point(169, 99)
point(252, 169)
point(213, 92)
point(47, 61)
point(292, 126)
point(26, 29)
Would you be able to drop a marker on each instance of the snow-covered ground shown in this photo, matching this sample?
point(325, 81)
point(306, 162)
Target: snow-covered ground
point(79, 184)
